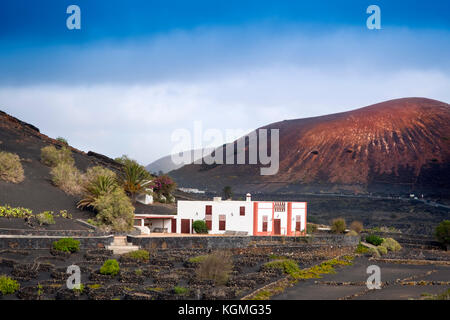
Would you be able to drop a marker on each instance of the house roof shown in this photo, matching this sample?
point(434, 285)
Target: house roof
point(155, 209)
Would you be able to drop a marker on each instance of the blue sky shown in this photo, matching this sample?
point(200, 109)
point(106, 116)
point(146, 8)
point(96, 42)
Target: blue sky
point(138, 70)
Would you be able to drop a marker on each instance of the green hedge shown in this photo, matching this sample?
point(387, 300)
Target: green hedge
point(67, 245)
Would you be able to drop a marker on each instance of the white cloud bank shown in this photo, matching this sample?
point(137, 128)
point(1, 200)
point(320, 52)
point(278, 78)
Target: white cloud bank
point(226, 80)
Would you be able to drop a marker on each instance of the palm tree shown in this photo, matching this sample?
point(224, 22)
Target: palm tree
point(92, 191)
point(135, 179)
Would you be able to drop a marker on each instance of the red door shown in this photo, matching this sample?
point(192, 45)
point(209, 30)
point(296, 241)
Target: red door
point(185, 226)
point(174, 225)
point(277, 226)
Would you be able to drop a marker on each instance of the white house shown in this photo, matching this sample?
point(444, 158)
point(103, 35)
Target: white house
point(245, 217)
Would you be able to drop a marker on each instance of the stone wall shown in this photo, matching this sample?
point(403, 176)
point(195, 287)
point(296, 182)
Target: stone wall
point(46, 242)
point(213, 242)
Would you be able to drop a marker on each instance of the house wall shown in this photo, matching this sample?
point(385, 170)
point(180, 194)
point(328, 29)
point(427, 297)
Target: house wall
point(195, 210)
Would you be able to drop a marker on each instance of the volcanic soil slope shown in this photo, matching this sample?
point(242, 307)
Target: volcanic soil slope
point(397, 146)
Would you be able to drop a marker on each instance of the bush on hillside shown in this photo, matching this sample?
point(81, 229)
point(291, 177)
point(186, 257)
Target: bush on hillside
point(200, 226)
point(442, 232)
point(11, 169)
point(115, 211)
point(51, 156)
point(338, 225)
point(66, 177)
point(356, 226)
point(110, 267)
point(67, 245)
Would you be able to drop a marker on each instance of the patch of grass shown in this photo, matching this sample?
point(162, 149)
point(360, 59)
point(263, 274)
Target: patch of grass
point(62, 140)
point(67, 245)
point(197, 259)
point(11, 169)
point(138, 255)
point(156, 289)
point(110, 267)
point(276, 257)
point(180, 290)
point(8, 285)
point(94, 286)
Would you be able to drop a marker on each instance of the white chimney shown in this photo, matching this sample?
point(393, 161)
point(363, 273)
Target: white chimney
point(249, 197)
point(217, 199)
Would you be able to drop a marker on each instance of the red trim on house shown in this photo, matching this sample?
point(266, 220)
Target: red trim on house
point(255, 218)
point(289, 219)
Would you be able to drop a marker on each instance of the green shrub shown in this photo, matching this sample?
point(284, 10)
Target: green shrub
point(110, 267)
point(140, 255)
point(180, 290)
point(67, 245)
point(66, 177)
point(216, 267)
point(338, 225)
point(200, 226)
point(374, 239)
point(357, 226)
point(115, 211)
point(64, 214)
point(352, 233)
point(11, 169)
point(390, 244)
point(9, 212)
point(45, 217)
point(382, 250)
point(442, 232)
point(8, 285)
point(51, 156)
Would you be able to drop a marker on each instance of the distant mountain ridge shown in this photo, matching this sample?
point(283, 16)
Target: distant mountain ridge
point(396, 146)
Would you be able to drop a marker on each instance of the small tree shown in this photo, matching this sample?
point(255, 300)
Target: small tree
point(135, 179)
point(338, 225)
point(442, 233)
point(227, 192)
